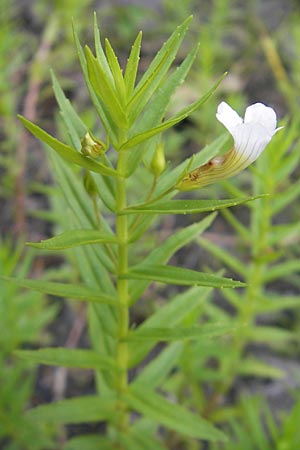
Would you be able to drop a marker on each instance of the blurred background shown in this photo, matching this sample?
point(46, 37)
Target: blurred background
point(258, 43)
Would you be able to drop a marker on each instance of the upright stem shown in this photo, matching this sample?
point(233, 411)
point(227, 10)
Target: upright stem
point(122, 291)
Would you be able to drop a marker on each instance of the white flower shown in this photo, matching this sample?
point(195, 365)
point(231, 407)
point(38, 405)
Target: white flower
point(250, 136)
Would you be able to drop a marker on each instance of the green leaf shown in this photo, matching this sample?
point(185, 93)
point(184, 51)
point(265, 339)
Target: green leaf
point(171, 314)
point(116, 72)
point(285, 198)
point(140, 440)
point(162, 253)
point(89, 442)
point(76, 128)
point(137, 139)
point(224, 256)
point(281, 270)
point(180, 333)
point(102, 111)
point(155, 372)
point(270, 335)
point(73, 238)
point(100, 53)
point(272, 303)
point(67, 152)
point(186, 206)
point(82, 359)
point(156, 71)
point(180, 276)
point(75, 410)
point(104, 90)
point(75, 291)
point(171, 415)
point(132, 66)
point(253, 367)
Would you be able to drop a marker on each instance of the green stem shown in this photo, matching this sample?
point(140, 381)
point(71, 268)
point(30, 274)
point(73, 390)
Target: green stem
point(122, 291)
point(246, 313)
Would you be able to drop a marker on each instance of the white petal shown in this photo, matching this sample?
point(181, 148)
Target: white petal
point(250, 139)
point(262, 114)
point(228, 117)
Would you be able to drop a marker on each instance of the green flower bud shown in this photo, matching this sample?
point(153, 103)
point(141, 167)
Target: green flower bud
point(89, 184)
point(158, 163)
point(90, 146)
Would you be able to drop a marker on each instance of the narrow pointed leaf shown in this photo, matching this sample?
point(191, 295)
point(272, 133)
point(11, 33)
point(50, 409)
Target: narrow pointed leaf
point(132, 65)
point(155, 372)
point(282, 269)
point(100, 52)
point(104, 89)
point(171, 415)
point(156, 109)
point(180, 276)
point(224, 256)
point(171, 314)
point(73, 238)
point(102, 111)
point(88, 442)
point(76, 127)
point(186, 206)
point(67, 152)
point(140, 440)
point(166, 250)
point(271, 335)
point(82, 359)
point(135, 140)
point(253, 367)
point(75, 410)
point(156, 71)
point(155, 112)
point(116, 72)
point(180, 333)
point(75, 291)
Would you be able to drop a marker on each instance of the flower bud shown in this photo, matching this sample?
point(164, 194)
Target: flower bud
point(158, 163)
point(89, 184)
point(90, 146)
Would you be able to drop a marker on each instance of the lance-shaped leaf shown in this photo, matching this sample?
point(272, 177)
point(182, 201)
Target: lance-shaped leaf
point(100, 107)
point(67, 152)
point(186, 206)
point(171, 314)
point(79, 358)
point(76, 128)
point(156, 71)
point(75, 410)
point(116, 72)
point(157, 370)
point(155, 111)
point(104, 90)
point(171, 415)
point(180, 333)
point(179, 276)
point(100, 52)
point(73, 238)
point(88, 441)
point(162, 253)
point(74, 291)
point(183, 114)
point(132, 66)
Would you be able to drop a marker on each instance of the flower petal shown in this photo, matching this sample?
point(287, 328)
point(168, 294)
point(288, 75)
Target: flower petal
point(262, 114)
point(228, 117)
point(250, 139)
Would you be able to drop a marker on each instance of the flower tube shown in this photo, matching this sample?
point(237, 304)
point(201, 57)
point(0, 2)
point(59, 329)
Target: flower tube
point(250, 136)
